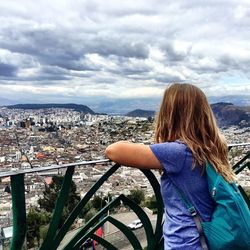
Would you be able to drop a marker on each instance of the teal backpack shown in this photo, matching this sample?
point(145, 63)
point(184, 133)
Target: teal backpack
point(229, 228)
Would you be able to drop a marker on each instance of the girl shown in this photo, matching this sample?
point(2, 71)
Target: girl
point(186, 137)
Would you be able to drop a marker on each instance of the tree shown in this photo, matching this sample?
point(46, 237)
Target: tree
point(39, 218)
point(151, 203)
point(90, 214)
point(99, 202)
point(86, 209)
point(51, 193)
point(137, 195)
point(43, 231)
point(150, 119)
point(35, 219)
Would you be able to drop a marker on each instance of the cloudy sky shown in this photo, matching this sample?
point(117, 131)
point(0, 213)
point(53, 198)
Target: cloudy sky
point(94, 50)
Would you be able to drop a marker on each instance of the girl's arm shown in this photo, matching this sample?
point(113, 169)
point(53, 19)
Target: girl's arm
point(133, 155)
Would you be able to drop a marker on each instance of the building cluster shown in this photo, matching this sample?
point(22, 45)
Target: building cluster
point(40, 138)
point(75, 137)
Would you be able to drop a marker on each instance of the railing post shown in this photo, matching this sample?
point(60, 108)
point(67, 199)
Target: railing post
point(19, 211)
point(57, 214)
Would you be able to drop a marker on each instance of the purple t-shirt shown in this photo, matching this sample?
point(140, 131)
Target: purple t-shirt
point(179, 230)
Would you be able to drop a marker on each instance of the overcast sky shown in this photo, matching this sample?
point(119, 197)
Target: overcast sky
point(61, 51)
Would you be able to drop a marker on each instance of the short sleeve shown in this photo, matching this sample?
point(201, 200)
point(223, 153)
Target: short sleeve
point(171, 155)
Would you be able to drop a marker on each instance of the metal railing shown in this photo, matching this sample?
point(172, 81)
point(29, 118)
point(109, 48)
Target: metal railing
point(54, 236)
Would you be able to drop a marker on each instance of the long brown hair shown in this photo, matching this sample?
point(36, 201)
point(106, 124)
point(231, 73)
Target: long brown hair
point(186, 115)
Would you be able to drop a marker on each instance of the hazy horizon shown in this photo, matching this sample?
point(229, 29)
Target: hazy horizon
point(124, 106)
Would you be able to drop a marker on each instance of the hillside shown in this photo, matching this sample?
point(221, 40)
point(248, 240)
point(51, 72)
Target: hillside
point(77, 107)
point(226, 114)
point(141, 113)
point(229, 114)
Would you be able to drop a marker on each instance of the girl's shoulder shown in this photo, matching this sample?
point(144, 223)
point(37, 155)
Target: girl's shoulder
point(171, 155)
point(177, 146)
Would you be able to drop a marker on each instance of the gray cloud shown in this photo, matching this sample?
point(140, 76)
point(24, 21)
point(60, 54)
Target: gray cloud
point(7, 70)
point(142, 45)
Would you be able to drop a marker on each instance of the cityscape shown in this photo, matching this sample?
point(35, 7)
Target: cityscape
point(45, 137)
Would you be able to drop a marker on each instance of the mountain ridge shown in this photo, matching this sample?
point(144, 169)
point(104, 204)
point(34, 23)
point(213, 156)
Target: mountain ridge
point(77, 107)
point(226, 114)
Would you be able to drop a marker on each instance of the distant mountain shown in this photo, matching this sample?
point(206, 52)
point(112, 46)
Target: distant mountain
point(141, 113)
point(77, 107)
point(226, 114)
point(123, 106)
point(229, 114)
point(239, 100)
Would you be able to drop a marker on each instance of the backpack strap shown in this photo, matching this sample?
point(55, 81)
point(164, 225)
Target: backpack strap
point(195, 215)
